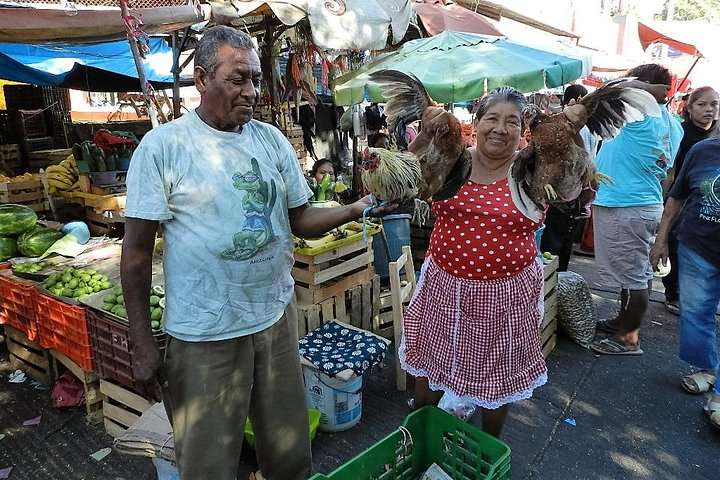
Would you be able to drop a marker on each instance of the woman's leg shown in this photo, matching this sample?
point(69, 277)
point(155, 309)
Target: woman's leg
point(424, 395)
point(493, 420)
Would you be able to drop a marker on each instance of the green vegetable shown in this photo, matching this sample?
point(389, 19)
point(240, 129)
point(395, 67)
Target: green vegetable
point(33, 243)
point(8, 247)
point(16, 219)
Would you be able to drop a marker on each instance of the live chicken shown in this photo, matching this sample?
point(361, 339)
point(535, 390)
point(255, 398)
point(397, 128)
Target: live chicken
point(437, 172)
point(554, 168)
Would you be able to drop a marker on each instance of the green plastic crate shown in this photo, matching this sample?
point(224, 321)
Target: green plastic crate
point(428, 436)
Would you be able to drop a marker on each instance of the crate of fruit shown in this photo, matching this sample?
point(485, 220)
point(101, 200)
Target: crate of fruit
point(17, 303)
point(64, 327)
point(429, 436)
point(109, 331)
point(25, 189)
point(9, 158)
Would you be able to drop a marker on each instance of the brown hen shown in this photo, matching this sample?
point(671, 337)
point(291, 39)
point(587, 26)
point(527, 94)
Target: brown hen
point(555, 168)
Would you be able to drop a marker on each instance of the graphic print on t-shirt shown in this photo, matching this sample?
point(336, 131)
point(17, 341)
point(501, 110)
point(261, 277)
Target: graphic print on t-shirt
point(257, 203)
point(710, 203)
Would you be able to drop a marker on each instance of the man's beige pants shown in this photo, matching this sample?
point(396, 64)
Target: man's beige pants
point(213, 386)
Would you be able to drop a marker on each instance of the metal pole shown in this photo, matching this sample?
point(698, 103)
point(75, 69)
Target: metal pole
point(138, 65)
point(176, 75)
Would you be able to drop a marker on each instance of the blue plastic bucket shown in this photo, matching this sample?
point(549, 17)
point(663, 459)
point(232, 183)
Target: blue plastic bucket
point(397, 233)
point(538, 239)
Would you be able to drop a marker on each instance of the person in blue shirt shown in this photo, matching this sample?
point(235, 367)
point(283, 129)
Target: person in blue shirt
point(626, 214)
point(695, 196)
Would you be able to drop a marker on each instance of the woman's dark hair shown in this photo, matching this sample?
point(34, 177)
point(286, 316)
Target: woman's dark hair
point(316, 166)
point(501, 95)
point(693, 97)
point(375, 138)
point(652, 73)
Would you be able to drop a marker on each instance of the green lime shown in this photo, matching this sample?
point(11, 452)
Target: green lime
point(91, 272)
point(118, 289)
point(156, 314)
point(121, 312)
point(108, 306)
point(154, 300)
point(105, 285)
point(68, 292)
point(154, 324)
point(547, 255)
point(120, 300)
point(73, 283)
point(67, 277)
point(85, 277)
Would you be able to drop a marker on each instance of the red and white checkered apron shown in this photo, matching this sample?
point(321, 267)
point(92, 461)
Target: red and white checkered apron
point(477, 338)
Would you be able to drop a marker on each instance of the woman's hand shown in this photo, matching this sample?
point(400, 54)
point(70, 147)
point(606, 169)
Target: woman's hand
point(577, 114)
point(433, 119)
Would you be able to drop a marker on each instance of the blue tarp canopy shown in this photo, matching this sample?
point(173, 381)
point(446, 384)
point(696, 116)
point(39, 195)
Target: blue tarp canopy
point(101, 67)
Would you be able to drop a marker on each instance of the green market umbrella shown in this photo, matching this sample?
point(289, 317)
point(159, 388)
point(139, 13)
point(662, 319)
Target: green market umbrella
point(457, 66)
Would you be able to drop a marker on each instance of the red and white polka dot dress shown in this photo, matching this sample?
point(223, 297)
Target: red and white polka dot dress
point(472, 326)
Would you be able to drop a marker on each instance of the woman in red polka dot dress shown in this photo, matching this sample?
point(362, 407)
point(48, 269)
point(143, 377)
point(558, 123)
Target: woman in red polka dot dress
point(472, 326)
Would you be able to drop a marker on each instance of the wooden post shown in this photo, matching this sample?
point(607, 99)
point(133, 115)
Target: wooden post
point(176, 49)
point(138, 65)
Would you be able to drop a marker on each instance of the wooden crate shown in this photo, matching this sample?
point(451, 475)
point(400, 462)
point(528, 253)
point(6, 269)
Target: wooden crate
point(110, 223)
point(44, 158)
point(120, 407)
point(548, 327)
point(91, 383)
point(29, 356)
point(10, 159)
point(98, 203)
point(29, 193)
point(357, 306)
point(331, 273)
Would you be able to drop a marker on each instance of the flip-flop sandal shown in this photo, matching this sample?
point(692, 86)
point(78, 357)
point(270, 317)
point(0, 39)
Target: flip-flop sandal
point(672, 307)
point(712, 409)
point(607, 346)
point(604, 325)
point(703, 381)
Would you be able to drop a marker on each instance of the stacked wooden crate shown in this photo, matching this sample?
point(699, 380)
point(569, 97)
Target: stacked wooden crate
point(548, 327)
point(30, 193)
point(337, 283)
point(10, 160)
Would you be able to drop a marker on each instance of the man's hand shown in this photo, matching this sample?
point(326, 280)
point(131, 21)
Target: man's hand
point(658, 253)
point(366, 201)
point(147, 369)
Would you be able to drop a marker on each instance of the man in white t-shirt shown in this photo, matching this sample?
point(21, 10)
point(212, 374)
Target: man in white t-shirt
point(228, 193)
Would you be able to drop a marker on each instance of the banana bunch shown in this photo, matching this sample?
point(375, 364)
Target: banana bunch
point(338, 233)
point(64, 176)
point(25, 177)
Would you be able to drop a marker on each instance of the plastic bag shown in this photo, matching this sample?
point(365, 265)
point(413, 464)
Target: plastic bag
point(457, 406)
point(68, 391)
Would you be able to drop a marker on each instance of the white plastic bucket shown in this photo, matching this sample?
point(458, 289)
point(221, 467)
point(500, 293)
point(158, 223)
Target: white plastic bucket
point(339, 402)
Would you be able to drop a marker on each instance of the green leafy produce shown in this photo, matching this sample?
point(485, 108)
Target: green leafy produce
point(16, 219)
point(33, 243)
point(8, 247)
point(322, 190)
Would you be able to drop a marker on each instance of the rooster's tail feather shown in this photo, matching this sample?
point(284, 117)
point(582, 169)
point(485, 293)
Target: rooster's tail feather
point(613, 105)
point(405, 94)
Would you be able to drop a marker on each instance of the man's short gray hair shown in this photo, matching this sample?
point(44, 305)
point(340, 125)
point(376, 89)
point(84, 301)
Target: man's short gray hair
point(212, 40)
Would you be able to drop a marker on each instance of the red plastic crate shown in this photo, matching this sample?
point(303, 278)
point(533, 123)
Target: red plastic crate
point(17, 304)
point(112, 348)
point(64, 328)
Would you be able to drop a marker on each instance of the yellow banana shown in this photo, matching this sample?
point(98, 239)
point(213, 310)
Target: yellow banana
point(319, 242)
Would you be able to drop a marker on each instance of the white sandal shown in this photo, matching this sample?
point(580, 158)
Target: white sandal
point(703, 381)
point(712, 409)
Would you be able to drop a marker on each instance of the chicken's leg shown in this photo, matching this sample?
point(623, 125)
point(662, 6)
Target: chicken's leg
point(550, 192)
point(601, 178)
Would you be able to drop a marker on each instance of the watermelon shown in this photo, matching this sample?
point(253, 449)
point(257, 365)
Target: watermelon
point(33, 243)
point(16, 219)
point(8, 247)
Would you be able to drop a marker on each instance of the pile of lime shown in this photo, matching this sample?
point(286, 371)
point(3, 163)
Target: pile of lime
point(115, 303)
point(76, 283)
point(29, 267)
